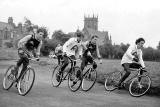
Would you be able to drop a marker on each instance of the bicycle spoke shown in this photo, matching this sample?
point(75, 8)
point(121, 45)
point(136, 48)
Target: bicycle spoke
point(26, 82)
point(139, 87)
point(89, 79)
point(74, 79)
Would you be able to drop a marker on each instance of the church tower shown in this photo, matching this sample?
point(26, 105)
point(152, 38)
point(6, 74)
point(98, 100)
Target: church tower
point(10, 20)
point(91, 22)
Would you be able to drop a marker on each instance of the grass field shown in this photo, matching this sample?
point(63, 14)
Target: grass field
point(103, 69)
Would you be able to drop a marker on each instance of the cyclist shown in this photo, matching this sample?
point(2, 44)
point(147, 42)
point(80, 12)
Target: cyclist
point(73, 49)
point(58, 52)
point(89, 48)
point(29, 46)
point(132, 59)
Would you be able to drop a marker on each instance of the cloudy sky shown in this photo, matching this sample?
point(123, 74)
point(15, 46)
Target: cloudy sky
point(125, 20)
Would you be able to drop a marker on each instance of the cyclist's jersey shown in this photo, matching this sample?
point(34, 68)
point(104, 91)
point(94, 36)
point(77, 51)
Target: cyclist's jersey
point(29, 42)
point(72, 47)
point(91, 47)
point(130, 54)
point(32, 43)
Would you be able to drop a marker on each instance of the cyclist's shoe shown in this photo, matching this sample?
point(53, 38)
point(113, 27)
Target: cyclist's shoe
point(74, 82)
point(119, 86)
point(78, 75)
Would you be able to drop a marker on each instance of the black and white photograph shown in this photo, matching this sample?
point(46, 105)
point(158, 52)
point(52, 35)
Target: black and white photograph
point(79, 53)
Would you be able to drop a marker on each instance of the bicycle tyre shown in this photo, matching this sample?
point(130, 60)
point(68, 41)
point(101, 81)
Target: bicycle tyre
point(72, 77)
point(112, 80)
point(134, 86)
point(89, 81)
point(5, 78)
point(21, 80)
point(55, 74)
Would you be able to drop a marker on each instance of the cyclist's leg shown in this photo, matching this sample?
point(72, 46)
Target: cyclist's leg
point(90, 60)
point(19, 62)
point(126, 67)
point(58, 58)
point(137, 66)
point(74, 58)
point(84, 63)
point(25, 64)
point(65, 63)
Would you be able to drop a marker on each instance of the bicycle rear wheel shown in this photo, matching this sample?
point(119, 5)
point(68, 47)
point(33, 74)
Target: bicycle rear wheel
point(56, 78)
point(9, 78)
point(75, 79)
point(26, 81)
point(89, 79)
point(139, 85)
point(112, 80)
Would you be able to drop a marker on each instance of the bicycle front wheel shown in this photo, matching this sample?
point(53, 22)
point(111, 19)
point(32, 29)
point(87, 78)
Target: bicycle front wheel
point(26, 81)
point(112, 80)
point(75, 79)
point(89, 79)
point(9, 78)
point(139, 85)
point(56, 78)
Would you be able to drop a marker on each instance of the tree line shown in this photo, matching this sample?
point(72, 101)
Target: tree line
point(111, 51)
point(107, 50)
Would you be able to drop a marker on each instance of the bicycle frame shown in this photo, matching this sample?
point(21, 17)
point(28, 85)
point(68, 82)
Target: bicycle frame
point(72, 65)
point(136, 75)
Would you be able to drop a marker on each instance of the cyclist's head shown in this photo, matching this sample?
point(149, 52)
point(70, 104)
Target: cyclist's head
point(42, 33)
point(94, 38)
point(140, 42)
point(79, 35)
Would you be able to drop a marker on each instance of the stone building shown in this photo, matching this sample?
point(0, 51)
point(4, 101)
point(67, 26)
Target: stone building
point(9, 31)
point(91, 28)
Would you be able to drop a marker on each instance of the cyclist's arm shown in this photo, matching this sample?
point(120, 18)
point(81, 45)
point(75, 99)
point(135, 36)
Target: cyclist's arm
point(38, 49)
point(129, 52)
point(80, 50)
point(97, 50)
point(23, 41)
point(141, 59)
point(84, 45)
point(56, 50)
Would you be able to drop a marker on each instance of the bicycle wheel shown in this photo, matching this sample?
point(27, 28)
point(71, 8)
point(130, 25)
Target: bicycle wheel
point(56, 78)
point(139, 85)
point(9, 78)
point(112, 80)
point(26, 81)
point(74, 79)
point(89, 79)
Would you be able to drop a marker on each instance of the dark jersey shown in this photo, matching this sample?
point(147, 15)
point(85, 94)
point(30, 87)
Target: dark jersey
point(91, 47)
point(32, 43)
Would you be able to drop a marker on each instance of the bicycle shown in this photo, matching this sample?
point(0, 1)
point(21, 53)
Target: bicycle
point(24, 83)
point(89, 78)
point(138, 84)
point(74, 81)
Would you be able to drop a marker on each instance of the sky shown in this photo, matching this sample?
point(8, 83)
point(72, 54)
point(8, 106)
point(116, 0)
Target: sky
point(125, 20)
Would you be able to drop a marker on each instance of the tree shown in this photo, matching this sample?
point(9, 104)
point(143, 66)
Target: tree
point(60, 36)
point(158, 47)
